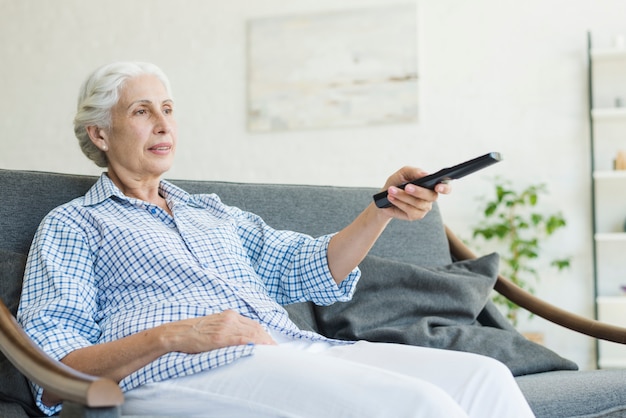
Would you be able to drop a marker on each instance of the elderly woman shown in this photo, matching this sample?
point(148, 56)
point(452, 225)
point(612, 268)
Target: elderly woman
point(178, 297)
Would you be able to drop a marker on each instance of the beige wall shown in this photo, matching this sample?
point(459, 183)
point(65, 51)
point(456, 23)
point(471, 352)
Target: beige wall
point(499, 75)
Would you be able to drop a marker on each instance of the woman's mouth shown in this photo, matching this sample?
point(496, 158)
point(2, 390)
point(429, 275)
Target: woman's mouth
point(160, 148)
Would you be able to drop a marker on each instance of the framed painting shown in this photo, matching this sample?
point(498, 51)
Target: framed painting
point(338, 69)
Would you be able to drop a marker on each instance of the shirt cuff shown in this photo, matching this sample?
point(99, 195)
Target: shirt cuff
point(328, 291)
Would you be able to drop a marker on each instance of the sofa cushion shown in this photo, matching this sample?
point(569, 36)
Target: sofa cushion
point(12, 410)
point(433, 307)
point(13, 385)
point(12, 266)
point(588, 393)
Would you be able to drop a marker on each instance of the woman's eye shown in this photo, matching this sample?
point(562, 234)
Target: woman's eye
point(141, 112)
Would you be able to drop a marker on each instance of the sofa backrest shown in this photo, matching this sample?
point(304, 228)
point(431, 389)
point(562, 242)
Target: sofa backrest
point(29, 195)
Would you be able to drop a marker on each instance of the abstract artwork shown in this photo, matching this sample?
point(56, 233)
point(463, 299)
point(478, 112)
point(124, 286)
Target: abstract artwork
point(336, 69)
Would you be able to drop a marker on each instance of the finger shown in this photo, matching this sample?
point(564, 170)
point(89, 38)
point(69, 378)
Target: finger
point(408, 206)
point(243, 330)
point(421, 193)
point(225, 329)
point(443, 188)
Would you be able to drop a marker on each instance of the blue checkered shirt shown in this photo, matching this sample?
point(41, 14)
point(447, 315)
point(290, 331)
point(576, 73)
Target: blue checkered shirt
point(105, 266)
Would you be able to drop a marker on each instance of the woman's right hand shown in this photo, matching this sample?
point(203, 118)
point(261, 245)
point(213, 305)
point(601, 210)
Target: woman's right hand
point(196, 335)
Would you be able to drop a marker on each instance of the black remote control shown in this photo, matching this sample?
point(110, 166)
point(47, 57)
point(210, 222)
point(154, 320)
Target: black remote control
point(444, 175)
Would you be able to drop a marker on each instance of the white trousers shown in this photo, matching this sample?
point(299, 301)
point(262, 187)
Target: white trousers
point(299, 379)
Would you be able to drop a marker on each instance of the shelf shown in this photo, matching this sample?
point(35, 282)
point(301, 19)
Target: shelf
point(610, 175)
point(612, 363)
point(612, 299)
point(608, 54)
point(609, 113)
point(611, 236)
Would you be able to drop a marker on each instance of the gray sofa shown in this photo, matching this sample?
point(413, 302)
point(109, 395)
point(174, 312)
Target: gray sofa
point(403, 312)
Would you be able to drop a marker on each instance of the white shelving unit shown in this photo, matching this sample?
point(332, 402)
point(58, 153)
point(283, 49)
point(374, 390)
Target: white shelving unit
point(607, 175)
point(608, 54)
point(609, 113)
point(611, 236)
point(607, 120)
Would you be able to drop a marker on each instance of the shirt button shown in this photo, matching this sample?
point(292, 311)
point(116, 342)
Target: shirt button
point(153, 211)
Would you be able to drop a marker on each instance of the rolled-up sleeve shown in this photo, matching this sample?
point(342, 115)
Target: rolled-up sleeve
point(294, 266)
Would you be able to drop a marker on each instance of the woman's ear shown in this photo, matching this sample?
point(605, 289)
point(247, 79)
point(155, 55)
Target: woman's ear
point(98, 136)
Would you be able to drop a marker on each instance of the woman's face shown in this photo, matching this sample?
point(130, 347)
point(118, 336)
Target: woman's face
point(142, 139)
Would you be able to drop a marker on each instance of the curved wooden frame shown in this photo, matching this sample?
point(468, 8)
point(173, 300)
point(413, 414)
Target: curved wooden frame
point(52, 375)
point(540, 307)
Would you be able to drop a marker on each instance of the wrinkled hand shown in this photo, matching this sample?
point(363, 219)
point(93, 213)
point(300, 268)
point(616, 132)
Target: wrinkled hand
point(413, 202)
point(228, 328)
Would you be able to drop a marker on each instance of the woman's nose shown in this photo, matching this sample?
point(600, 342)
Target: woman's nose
point(163, 124)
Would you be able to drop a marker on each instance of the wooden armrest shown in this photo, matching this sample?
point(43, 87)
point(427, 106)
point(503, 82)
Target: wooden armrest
point(53, 375)
point(540, 307)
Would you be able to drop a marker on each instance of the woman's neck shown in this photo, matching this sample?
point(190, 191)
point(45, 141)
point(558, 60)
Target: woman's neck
point(145, 189)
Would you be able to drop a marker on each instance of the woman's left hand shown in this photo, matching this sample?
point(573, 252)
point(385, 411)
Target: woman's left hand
point(412, 202)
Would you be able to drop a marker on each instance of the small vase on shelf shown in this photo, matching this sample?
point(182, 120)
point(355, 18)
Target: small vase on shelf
point(620, 160)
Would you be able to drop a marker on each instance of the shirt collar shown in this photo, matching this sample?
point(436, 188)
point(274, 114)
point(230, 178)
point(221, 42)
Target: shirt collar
point(105, 188)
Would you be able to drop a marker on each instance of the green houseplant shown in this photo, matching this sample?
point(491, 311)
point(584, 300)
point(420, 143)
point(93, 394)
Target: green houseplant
point(514, 223)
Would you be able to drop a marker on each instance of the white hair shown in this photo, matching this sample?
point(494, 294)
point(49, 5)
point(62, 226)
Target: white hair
point(97, 96)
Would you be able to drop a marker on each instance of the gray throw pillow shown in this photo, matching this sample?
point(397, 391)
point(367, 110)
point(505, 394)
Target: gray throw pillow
point(13, 385)
point(391, 296)
point(433, 307)
point(303, 315)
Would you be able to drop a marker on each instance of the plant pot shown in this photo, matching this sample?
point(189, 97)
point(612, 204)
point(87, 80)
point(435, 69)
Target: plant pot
point(536, 337)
